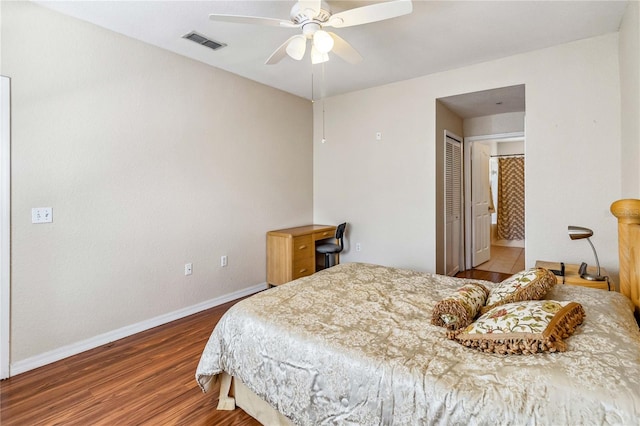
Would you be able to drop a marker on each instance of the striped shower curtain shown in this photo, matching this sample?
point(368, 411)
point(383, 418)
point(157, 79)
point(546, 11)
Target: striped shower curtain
point(511, 198)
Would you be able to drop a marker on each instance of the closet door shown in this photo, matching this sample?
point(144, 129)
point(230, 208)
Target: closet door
point(453, 205)
point(5, 211)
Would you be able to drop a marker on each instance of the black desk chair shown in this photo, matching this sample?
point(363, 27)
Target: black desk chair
point(330, 250)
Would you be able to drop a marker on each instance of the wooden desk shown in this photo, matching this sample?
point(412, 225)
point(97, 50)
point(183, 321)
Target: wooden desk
point(572, 277)
point(291, 252)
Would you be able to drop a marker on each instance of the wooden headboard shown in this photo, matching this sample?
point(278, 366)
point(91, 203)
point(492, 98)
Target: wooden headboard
point(628, 214)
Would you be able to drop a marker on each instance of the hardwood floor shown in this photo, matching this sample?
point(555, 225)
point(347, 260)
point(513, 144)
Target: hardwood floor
point(145, 379)
point(495, 277)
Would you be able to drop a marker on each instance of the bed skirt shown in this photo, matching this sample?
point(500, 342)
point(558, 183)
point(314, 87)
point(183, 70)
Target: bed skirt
point(235, 393)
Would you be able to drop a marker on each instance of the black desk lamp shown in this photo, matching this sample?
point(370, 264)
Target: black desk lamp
point(578, 233)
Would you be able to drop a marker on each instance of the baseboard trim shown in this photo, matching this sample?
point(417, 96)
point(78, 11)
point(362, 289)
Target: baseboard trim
point(102, 339)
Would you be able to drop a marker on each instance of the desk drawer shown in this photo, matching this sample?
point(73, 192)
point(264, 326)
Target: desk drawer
point(321, 235)
point(302, 247)
point(303, 267)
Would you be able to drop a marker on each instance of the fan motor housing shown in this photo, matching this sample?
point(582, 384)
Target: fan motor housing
point(298, 16)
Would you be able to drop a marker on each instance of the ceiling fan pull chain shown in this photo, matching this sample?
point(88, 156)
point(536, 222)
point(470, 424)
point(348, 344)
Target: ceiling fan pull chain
point(322, 94)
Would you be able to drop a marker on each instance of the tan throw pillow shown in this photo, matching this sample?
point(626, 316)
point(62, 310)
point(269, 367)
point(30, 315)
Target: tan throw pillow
point(531, 284)
point(523, 327)
point(458, 310)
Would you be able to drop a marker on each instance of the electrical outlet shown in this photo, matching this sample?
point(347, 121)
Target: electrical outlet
point(223, 261)
point(378, 136)
point(188, 268)
point(358, 247)
point(41, 215)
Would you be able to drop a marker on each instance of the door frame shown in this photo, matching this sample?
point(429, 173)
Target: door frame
point(468, 218)
point(5, 226)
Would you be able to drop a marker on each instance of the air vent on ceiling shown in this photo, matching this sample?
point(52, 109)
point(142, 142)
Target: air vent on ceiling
point(200, 39)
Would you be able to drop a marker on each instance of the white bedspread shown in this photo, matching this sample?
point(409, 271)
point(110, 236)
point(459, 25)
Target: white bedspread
point(354, 345)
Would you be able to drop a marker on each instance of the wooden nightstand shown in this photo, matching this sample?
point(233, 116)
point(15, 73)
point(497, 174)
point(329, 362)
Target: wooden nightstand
point(572, 277)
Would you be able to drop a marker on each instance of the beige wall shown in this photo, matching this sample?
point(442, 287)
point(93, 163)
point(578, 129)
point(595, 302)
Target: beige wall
point(149, 160)
point(383, 188)
point(509, 148)
point(630, 90)
point(387, 189)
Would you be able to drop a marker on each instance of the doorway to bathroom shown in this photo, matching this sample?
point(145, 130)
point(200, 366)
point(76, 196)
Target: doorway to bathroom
point(497, 190)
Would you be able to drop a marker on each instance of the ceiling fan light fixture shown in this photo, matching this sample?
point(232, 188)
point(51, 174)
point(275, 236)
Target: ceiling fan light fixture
point(318, 57)
point(297, 47)
point(323, 41)
point(312, 16)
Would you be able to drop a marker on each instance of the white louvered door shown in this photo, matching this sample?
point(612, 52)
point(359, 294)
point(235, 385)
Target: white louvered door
point(5, 210)
point(453, 206)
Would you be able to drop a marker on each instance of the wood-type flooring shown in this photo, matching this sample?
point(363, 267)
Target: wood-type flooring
point(144, 379)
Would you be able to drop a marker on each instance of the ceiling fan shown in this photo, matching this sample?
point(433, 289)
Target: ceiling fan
point(314, 15)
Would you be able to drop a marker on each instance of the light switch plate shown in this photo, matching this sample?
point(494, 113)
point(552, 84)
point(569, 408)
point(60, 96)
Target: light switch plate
point(41, 215)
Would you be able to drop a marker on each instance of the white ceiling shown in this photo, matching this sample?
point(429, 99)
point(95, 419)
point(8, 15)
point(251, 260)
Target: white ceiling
point(500, 100)
point(437, 36)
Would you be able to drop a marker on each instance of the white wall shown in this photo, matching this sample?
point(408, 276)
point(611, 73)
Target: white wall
point(149, 160)
point(510, 122)
point(630, 90)
point(386, 190)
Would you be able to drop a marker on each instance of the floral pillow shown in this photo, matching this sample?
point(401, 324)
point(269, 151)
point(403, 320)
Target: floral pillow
point(459, 309)
point(531, 284)
point(523, 327)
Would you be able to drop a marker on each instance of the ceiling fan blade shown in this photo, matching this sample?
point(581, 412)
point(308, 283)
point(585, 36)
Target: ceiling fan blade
point(344, 50)
point(280, 52)
point(372, 13)
point(254, 20)
point(309, 7)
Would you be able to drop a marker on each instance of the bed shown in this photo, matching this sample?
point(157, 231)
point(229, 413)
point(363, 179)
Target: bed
point(354, 344)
